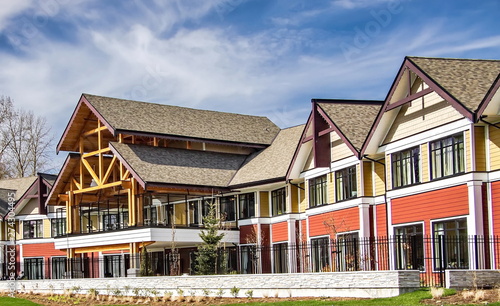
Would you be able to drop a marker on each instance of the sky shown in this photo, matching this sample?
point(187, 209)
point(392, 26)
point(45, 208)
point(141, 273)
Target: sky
point(256, 57)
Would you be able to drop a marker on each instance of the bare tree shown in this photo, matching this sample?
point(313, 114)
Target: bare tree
point(24, 141)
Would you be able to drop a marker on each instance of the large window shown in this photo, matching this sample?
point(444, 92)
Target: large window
point(346, 184)
point(32, 229)
point(405, 167)
point(33, 268)
point(278, 202)
point(450, 244)
point(280, 256)
point(409, 247)
point(320, 254)
point(228, 208)
point(347, 250)
point(317, 191)
point(249, 259)
point(447, 156)
point(58, 226)
point(247, 205)
point(58, 267)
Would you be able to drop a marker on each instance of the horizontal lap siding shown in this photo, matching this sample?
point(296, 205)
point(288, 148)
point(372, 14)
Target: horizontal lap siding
point(443, 203)
point(381, 217)
point(41, 249)
point(495, 198)
point(265, 234)
point(247, 235)
point(338, 221)
point(280, 231)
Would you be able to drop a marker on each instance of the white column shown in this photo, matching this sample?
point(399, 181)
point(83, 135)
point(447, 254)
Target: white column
point(364, 233)
point(292, 243)
point(475, 218)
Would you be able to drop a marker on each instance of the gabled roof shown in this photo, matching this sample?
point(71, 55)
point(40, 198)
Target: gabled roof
point(141, 118)
point(178, 167)
point(352, 118)
point(467, 80)
point(271, 163)
point(19, 185)
point(5, 194)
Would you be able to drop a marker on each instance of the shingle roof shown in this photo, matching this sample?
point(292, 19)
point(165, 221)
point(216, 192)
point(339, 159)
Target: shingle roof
point(353, 118)
point(467, 80)
point(272, 162)
point(170, 120)
point(179, 166)
point(4, 200)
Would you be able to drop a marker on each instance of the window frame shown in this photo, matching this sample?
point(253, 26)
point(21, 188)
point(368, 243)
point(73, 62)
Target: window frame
point(459, 247)
point(318, 186)
point(402, 244)
point(398, 162)
point(457, 155)
point(346, 183)
point(37, 229)
point(246, 202)
point(278, 194)
point(321, 259)
point(227, 208)
point(57, 227)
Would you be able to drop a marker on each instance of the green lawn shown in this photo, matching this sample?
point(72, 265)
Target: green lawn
point(8, 301)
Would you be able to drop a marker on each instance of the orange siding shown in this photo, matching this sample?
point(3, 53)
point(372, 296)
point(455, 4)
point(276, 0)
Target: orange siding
point(381, 217)
point(41, 249)
point(247, 233)
point(265, 232)
point(495, 199)
point(449, 202)
point(334, 222)
point(280, 231)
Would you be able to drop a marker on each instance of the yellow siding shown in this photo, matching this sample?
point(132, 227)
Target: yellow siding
point(358, 180)
point(368, 179)
point(388, 171)
point(264, 204)
point(420, 115)
point(295, 199)
point(46, 228)
point(468, 165)
point(330, 190)
point(424, 154)
point(494, 144)
point(480, 148)
point(19, 234)
point(379, 179)
point(303, 202)
point(180, 214)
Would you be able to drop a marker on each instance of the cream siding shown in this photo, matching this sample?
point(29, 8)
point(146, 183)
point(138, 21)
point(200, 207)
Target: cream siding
point(339, 149)
point(309, 162)
point(424, 155)
point(468, 160)
point(46, 228)
point(330, 187)
point(420, 115)
point(359, 184)
point(31, 208)
point(388, 171)
point(494, 145)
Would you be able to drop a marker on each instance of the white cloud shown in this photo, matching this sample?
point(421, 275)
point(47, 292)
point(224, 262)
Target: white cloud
point(10, 9)
point(355, 4)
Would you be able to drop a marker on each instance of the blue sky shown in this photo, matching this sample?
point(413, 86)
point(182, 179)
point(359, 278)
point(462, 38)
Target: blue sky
point(260, 57)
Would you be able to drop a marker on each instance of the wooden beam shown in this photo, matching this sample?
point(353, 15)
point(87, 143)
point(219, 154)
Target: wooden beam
point(96, 188)
point(78, 185)
point(110, 170)
point(409, 98)
point(94, 131)
point(112, 247)
point(90, 171)
point(96, 152)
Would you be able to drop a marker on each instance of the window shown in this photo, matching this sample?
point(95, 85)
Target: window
point(228, 208)
point(249, 259)
point(33, 229)
point(346, 184)
point(409, 242)
point(33, 268)
point(347, 250)
point(58, 227)
point(113, 266)
point(278, 202)
point(280, 255)
point(58, 267)
point(405, 167)
point(320, 254)
point(247, 205)
point(317, 191)
point(447, 156)
point(450, 244)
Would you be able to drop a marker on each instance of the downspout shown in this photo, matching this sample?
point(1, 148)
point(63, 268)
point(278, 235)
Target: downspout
point(385, 190)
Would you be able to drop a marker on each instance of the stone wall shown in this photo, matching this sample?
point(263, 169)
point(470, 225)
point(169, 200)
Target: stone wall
point(461, 279)
point(369, 284)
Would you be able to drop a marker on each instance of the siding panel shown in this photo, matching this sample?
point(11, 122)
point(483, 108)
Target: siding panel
point(334, 222)
point(280, 231)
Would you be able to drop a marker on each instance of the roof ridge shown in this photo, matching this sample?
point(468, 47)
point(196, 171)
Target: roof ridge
point(454, 58)
point(170, 105)
point(348, 101)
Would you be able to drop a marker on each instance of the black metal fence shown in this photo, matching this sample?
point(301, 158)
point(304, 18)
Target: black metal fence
point(430, 255)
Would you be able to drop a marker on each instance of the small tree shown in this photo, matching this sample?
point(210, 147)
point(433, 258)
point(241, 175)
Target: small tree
point(207, 255)
point(145, 263)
